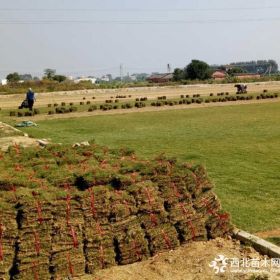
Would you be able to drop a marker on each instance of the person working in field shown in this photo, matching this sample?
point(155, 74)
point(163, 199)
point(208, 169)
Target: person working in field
point(30, 97)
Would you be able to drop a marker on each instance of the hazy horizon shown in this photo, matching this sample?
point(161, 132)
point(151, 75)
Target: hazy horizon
point(90, 37)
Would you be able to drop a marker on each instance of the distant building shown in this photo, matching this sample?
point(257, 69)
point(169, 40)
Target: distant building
point(247, 76)
point(4, 82)
point(106, 78)
point(219, 75)
point(160, 78)
point(133, 77)
point(86, 79)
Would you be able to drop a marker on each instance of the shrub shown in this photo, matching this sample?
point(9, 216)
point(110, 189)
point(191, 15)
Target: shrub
point(187, 96)
point(84, 98)
point(71, 103)
point(275, 95)
point(265, 90)
point(182, 96)
point(12, 113)
point(115, 106)
point(19, 114)
point(116, 101)
point(153, 104)
point(143, 99)
point(73, 109)
point(28, 114)
point(128, 105)
point(161, 98)
point(49, 105)
point(82, 103)
point(189, 102)
point(63, 104)
point(36, 111)
point(55, 105)
point(227, 93)
point(51, 112)
point(207, 101)
point(93, 97)
point(88, 102)
point(139, 104)
point(211, 94)
point(92, 108)
point(137, 99)
point(106, 107)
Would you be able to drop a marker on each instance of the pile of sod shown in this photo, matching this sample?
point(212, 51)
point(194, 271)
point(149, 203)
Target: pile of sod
point(66, 211)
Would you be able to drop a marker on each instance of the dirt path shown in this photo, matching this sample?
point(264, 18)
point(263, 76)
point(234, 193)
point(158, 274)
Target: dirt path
point(270, 233)
point(14, 100)
point(145, 109)
point(190, 262)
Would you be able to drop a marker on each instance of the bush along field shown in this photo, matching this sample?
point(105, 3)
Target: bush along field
point(69, 211)
point(126, 102)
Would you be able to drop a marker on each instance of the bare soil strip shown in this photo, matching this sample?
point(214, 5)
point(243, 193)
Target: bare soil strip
point(145, 109)
point(268, 234)
point(44, 98)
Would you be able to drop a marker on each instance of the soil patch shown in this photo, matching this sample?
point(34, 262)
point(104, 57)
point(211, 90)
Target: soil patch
point(189, 262)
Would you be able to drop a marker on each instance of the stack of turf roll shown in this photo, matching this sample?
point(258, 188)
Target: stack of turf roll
point(66, 211)
point(8, 236)
point(99, 247)
point(34, 239)
point(153, 217)
point(96, 204)
point(129, 240)
point(67, 259)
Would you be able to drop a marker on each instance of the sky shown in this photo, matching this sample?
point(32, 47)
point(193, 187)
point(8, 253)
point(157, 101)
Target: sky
point(94, 37)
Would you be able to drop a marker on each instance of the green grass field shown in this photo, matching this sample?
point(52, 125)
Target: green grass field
point(239, 145)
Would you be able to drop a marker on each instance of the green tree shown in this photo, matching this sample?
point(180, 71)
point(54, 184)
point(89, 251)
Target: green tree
point(59, 78)
point(197, 69)
point(49, 73)
point(236, 70)
point(13, 77)
point(178, 74)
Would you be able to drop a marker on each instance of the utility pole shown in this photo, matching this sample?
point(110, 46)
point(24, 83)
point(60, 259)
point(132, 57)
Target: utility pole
point(168, 68)
point(121, 71)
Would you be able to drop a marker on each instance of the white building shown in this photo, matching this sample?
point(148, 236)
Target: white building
point(4, 82)
point(88, 79)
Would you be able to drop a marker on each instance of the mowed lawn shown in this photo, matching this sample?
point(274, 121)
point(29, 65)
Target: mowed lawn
point(239, 145)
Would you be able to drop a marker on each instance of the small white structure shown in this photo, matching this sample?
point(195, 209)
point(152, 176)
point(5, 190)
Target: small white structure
point(88, 79)
point(105, 79)
point(4, 82)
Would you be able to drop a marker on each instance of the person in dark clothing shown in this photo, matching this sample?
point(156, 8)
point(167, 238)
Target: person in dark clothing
point(30, 97)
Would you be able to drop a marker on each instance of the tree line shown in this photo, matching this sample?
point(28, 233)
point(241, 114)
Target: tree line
point(200, 70)
point(49, 74)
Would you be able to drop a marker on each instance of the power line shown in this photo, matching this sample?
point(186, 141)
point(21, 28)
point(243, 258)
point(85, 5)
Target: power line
point(133, 9)
point(137, 22)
